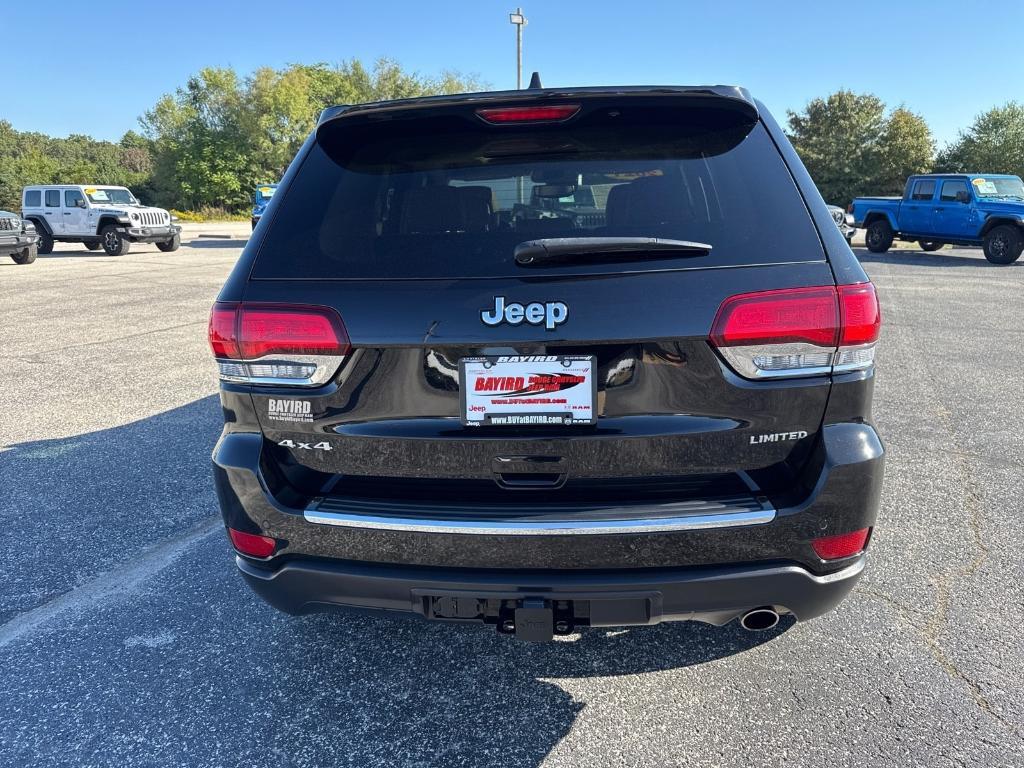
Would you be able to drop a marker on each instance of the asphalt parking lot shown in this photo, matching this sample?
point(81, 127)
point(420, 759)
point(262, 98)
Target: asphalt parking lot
point(127, 639)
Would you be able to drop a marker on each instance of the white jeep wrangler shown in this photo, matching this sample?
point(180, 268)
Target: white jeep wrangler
point(98, 216)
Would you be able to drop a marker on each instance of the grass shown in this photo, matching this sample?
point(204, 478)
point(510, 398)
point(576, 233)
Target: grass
point(208, 214)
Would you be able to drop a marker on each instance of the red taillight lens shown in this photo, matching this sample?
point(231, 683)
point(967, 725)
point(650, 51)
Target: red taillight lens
point(843, 545)
point(282, 330)
point(221, 332)
point(798, 331)
point(251, 331)
point(809, 315)
point(251, 544)
point(277, 344)
point(536, 114)
point(860, 314)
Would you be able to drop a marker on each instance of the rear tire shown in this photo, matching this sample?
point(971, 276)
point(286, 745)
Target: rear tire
point(879, 236)
point(930, 245)
point(25, 257)
point(45, 244)
point(1003, 244)
point(170, 245)
point(114, 242)
point(92, 246)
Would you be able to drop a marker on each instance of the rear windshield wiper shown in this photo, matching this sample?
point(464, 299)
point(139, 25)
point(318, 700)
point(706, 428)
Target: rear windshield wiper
point(554, 250)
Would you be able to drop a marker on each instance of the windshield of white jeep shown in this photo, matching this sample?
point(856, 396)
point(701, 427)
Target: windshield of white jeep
point(108, 195)
point(1005, 187)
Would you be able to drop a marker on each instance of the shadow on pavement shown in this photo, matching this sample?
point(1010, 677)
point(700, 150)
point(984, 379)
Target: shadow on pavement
point(939, 258)
point(435, 694)
point(136, 249)
point(194, 656)
point(81, 505)
point(216, 243)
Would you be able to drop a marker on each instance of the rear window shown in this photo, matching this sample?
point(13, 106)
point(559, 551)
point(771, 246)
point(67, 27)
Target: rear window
point(33, 198)
point(431, 208)
point(923, 190)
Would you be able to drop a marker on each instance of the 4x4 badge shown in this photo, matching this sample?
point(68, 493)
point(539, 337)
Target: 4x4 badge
point(549, 314)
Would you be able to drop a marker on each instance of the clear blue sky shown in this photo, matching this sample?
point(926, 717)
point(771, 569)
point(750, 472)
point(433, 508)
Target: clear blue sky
point(95, 68)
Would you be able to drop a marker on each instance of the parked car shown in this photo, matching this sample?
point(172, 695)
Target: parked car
point(961, 209)
point(261, 199)
point(445, 398)
point(18, 238)
point(844, 221)
point(96, 216)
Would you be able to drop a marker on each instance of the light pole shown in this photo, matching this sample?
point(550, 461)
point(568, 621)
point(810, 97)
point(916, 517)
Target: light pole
point(519, 20)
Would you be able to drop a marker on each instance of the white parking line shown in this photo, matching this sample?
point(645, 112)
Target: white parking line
point(111, 585)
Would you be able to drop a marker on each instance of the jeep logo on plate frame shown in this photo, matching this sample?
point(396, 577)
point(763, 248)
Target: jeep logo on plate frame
point(550, 314)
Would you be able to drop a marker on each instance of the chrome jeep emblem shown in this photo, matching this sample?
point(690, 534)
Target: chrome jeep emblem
point(549, 314)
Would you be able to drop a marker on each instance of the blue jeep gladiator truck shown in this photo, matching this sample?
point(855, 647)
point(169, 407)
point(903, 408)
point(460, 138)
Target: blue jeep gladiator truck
point(959, 209)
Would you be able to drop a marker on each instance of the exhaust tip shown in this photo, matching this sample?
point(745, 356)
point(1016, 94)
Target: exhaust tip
point(759, 619)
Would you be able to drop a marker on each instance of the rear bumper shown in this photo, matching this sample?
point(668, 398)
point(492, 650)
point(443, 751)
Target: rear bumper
point(702, 571)
point(611, 598)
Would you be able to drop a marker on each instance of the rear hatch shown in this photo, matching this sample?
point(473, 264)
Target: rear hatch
point(529, 298)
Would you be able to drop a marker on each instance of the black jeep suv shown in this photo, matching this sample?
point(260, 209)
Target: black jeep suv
point(549, 359)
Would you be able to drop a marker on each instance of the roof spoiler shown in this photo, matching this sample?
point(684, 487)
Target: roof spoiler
point(727, 96)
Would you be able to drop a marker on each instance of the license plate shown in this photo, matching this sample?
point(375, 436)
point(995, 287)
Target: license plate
point(528, 390)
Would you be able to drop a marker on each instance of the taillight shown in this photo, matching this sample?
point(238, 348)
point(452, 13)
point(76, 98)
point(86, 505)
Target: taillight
point(861, 322)
point(798, 331)
point(536, 114)
point(277, 344)
point(252, 544)
point(843, 545)
point(222, 332)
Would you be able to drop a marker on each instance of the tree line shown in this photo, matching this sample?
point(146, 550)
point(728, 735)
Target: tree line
point(207, 144)
point(852, 145)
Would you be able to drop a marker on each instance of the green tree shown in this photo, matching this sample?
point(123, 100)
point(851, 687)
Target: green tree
point(993, 144)
point(218, 136)
point(212, 140)
point(32, 158)
point(851, 147)
point(905, 147)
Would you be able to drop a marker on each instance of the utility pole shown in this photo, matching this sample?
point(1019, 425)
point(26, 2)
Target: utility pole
point(519, 20)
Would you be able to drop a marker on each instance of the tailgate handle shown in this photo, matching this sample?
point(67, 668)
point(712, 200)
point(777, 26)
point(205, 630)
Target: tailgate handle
point(526, 472)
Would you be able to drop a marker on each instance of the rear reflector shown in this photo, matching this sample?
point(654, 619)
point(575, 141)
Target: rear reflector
point(277, 343)
point(843, 545)
point(536, 114)
point(251, 544)
point(798, 331)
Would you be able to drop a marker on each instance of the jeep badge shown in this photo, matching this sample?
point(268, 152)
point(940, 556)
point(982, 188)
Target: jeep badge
point(551, 313)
